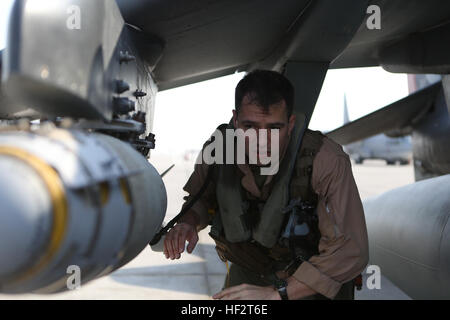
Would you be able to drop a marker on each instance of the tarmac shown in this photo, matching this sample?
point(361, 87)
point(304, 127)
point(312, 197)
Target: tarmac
point(197, 276)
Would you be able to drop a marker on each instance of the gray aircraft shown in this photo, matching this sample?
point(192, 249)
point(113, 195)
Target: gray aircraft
point(380, 146)
point(79, 80)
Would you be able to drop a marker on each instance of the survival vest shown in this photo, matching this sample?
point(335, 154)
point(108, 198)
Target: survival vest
point(260, 247)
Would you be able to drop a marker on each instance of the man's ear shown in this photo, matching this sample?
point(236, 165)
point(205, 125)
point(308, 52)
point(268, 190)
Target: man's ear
point(235, 116)
point(291, 123)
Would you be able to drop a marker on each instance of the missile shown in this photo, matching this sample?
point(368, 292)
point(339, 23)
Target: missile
point(409, 237)
point(72, 198)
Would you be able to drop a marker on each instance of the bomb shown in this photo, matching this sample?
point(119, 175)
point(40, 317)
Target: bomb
point(72, 198)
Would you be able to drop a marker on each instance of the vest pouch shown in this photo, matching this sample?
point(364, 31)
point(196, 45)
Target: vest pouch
point(245, 254)
point(301, 232)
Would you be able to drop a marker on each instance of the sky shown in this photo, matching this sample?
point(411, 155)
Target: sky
point(186, 116)
point(5, 7)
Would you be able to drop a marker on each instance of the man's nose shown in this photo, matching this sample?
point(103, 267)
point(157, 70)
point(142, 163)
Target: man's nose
point(264, 138)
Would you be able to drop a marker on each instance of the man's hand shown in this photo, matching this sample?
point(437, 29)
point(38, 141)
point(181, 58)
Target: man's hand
point(175, 240)
point(248, 292)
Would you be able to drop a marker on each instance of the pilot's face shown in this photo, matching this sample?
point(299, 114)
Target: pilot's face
point(253, 116)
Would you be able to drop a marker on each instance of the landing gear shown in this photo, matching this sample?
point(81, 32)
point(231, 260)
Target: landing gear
point(404, 162)
point(390, 162)
point(359, 160)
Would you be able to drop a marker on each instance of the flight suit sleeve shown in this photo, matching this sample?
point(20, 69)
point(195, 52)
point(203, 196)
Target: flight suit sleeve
point(343, 247)
point(201, 208)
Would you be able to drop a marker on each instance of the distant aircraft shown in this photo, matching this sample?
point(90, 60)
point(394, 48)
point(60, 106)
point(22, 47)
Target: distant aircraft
point(392, 150)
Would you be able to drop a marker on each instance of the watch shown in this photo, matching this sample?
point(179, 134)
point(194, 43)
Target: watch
point(281, 285)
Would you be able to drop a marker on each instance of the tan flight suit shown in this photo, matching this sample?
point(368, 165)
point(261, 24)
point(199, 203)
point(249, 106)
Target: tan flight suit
point(343, 245)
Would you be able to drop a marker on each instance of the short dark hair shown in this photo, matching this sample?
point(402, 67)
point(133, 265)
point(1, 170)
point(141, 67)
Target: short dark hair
point(265, 87)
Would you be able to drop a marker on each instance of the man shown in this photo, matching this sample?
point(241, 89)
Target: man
point(245, 208)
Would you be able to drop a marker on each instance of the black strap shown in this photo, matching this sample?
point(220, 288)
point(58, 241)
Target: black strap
point(296, 151)
point(186, 208)
point(292, 233)
point(195, 198)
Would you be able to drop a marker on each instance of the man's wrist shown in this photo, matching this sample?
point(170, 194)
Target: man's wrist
point(275, 294)
point(191, 219)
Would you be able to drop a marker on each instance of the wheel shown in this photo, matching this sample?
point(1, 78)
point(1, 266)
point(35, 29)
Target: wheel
point(359, 160)
point(404, 162)
point(390, 162)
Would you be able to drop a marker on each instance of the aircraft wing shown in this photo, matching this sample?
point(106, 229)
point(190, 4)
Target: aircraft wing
point(206, 39)
point(404, 25)
point(396, 117)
